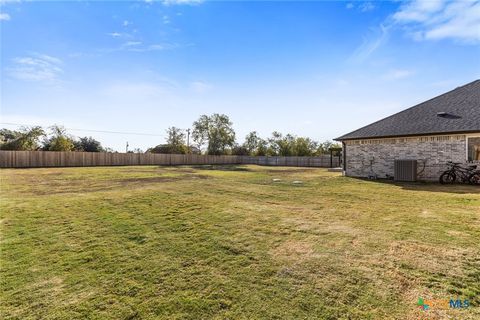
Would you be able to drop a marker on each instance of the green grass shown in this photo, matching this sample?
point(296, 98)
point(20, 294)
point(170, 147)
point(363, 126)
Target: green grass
point(227, 242)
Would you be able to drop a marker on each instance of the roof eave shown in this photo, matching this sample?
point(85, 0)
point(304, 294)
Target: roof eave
point(408, 135)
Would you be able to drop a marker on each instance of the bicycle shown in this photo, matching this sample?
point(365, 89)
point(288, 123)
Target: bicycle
point(455, 170)
point(475, 177)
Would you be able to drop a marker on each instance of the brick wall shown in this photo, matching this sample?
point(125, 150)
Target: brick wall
point(377, 156)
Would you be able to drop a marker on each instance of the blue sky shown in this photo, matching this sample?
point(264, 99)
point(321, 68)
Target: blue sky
point(317, 69)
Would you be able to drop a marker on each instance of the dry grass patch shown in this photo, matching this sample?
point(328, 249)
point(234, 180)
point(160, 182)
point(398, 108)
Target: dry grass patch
point(295, 251)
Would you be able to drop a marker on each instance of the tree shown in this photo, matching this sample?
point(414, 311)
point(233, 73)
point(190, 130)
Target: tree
point(251, 142)
point(161, 148)
point(59, 140)
point(175, 143)
point(240, 150)
point(88, 144)
point(136, 150)
point(325, 146)
point(262, 148)
point(255, 145)
point(287, 146)
point(304, 147)
point(176, 140)
point(7, 135)
point(273, 144)
point(24, 139)
point(280, 145)
point(194, 150)
point(216, 131)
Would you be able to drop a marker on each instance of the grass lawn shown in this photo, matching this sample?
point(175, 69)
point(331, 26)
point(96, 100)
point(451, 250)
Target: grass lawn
point(228, 242)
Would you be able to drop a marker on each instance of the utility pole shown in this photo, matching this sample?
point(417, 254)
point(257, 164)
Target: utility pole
point(126, 148)
point(188, 140)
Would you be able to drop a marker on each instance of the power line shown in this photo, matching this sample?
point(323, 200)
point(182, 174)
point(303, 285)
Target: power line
point(91, 130)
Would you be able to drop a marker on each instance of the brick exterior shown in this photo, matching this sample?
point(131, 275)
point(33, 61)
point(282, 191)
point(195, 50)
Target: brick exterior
point(364, 157)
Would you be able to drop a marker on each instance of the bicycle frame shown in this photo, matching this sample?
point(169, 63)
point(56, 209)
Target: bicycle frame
point(456, 170)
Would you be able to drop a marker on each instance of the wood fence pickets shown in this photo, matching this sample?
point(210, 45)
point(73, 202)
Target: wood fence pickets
point(33, 159)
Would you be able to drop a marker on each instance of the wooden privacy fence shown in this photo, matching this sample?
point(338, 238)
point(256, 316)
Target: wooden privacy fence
point(320, 161)
point(32, 159)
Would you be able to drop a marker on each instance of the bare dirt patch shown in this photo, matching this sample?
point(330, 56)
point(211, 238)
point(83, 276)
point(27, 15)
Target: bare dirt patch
point(148, 180)
point(296, 170)
point(161, 179)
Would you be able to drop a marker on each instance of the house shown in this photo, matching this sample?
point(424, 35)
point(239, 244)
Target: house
point(445, 128)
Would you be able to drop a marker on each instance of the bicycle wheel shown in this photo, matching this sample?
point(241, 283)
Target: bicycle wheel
point(448, 177)
point(474, 178)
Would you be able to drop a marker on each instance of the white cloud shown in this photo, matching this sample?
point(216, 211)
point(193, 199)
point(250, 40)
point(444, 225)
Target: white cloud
point(114, 34)
point(180, 2)
point(120, 35)
point(434, 20)
point(166, 19)
point(162, 46)
point(366, 6)
point(159, 47)
point(200, 87)
point(4, 2)
point(371, 43)
point(126, 23)
point(131, 44)
point(37, 67)
point(4, 16)
point(418, 10)
point(49, 59)
point(362, 6)
point(79, 54)
point(398, 74)
point(426, 20)
point(137, 46)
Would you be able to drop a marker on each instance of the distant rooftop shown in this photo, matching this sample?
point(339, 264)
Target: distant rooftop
point(457, 111)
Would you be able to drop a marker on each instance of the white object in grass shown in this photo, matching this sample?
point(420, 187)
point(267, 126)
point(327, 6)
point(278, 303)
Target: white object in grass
point(297, 182)
point(276, 180)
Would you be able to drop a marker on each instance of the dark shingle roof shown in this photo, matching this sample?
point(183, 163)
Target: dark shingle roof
point(462, 114)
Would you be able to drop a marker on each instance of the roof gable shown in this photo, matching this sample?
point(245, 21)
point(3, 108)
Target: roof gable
point(455, 111)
